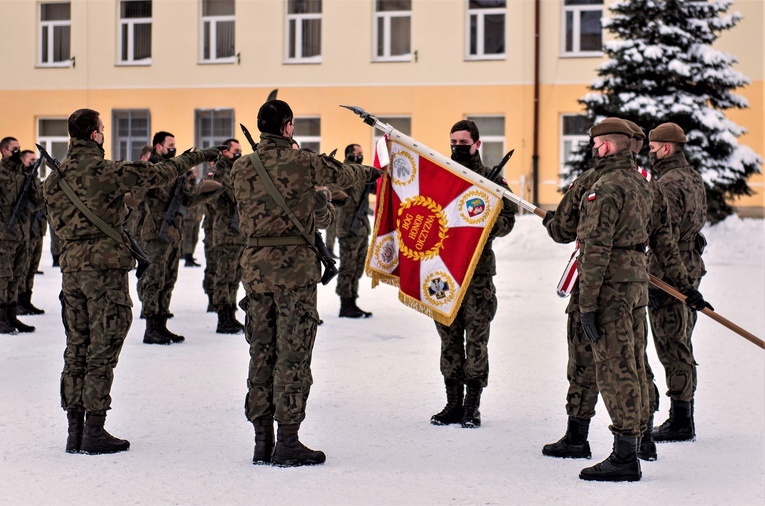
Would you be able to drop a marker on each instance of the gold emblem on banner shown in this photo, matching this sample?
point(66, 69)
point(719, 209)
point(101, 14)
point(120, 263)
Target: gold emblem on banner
point(404, 168)
point(418, 236)
point(475, 207)
point(439, 288)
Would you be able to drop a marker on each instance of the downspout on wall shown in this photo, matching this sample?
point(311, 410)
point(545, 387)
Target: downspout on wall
point(535, 149)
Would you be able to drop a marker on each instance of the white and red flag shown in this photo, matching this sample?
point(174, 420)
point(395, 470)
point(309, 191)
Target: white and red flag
point(431, 223)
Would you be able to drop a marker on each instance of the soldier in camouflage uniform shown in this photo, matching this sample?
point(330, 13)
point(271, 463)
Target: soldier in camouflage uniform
point(156, 287)
point(14, 247)
point(133, 223)
point(191, 231)
point(95, 299)
point(38, 224)
point(228, 242)
point(208, 282)
point(352, 228)
point(672, 321)
point(280, 272)
point(583, 392)
point(464, 343)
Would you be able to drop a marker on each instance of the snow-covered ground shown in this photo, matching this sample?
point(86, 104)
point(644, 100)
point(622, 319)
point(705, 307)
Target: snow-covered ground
point(377, 383)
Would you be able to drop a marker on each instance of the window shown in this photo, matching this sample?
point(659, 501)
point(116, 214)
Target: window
point(308, 133)
point(131, 130)
point(217, 38)
point(486, 29)
point(304, 31)
point(583, 33)
point(135, 32)
point(574, 137)
point(55, 34)
point(401, 123)
point(492, 130)
point(393, 30)
point(213, 126)
point(52, 134)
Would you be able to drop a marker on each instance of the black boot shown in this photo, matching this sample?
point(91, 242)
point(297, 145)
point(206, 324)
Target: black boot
point(574, 444)
point(95, 439)
point(621, 465)
point(471, 417)
point(264, 441)
point(25, 306)
point(349, 309)
point(453, 411)
point(290, 452)
point(162, 323)
point(6, 327)
point(76, 427)
point(153, 334)
point(210, 305)
point(678, 427)
point(55, 260)
point(647, 448)
point(21, 327)
point(191, 261)
point(227, 323)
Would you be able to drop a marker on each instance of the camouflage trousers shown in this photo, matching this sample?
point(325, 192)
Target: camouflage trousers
point(35, 253)
point(14, 263)
point(190, 236)
point(156, 287)
point(208, 283)
point(672, 326)
point(280, 328)
point(353, 256)
point(228, 273)
point(96, 311)
point(465, 343)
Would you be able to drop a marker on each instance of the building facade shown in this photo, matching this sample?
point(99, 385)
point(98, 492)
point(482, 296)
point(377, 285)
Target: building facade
point(198, 68)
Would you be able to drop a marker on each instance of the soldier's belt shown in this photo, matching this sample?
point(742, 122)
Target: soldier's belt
point(282, 240)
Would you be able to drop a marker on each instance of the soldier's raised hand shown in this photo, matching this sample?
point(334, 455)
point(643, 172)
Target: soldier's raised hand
point(212, 154)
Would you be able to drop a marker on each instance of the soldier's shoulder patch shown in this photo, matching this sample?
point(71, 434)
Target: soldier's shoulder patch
point(591, 197)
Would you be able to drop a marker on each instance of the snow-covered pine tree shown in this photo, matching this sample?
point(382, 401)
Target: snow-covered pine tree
point(663, 68)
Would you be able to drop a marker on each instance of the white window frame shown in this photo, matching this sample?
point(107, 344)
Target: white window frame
point(302, 139)
point(387, 16)
point(213, 20)
point(131, 22)
point(116, 137)
point(576, 11)
point(47, 141)
point(480, 26)
point(50, 27)
point(298, 19)
point(574, 139)
point(489, 138)
point(213, 140)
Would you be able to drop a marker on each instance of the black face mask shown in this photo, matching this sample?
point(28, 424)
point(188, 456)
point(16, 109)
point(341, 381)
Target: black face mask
point(170, 153)
point(461, 153)
point(236, 156)
point(16, 155)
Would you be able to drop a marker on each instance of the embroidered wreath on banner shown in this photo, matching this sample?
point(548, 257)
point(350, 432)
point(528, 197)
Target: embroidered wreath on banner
point(479, 218)
point(385, 254)
point(403, 172)
point(439, 288)
point(439, 214)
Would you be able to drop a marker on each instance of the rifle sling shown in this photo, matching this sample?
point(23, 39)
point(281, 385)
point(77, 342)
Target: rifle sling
point(278, 198)
point(90, 215)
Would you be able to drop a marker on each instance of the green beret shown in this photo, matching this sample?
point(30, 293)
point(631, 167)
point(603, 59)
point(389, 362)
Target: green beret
point(611, 126)
point(637, 132)
point(667, 132)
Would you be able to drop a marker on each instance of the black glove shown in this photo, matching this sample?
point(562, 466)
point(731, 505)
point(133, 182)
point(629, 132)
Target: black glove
point(589, 326)
point(695, 300)
point(212, 154)
point(655, 298)
point(549, 215)
point(374, 175)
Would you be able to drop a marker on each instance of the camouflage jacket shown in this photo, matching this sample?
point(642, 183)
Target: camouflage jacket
point(12, 176)
point(101, 185)
point(487, 264)
point(155, 201)
point(225, 206)
point(615, 217)
point(687, 200)
point(295, 174)
point(346, 215)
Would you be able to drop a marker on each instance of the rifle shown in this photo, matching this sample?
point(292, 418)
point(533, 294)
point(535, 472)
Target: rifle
point(173, 209)
point(22, 203)
point(363, 210)
point(318, 246)
point(135, 250)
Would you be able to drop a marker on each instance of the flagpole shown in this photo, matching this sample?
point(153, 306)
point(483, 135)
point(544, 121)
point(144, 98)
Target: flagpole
point(503, 192)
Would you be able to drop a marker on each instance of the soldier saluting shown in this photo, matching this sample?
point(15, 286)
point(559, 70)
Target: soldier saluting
point(85, 199)
point(280, 210)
